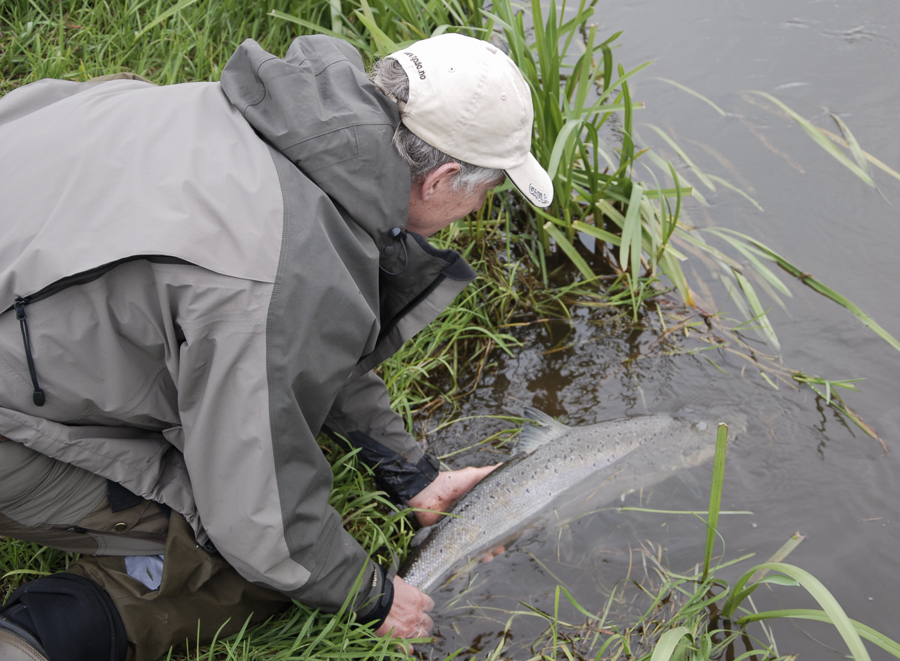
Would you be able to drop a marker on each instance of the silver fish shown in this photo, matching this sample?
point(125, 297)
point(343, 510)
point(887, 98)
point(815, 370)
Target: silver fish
point(553, 459)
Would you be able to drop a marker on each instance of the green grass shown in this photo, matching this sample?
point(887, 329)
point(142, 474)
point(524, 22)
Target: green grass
point(533, 266)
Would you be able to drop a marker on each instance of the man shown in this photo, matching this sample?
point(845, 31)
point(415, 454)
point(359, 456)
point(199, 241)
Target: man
point(196, 279)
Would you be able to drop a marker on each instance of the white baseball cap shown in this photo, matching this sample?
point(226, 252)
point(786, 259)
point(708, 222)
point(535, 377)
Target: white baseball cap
point(468, 99)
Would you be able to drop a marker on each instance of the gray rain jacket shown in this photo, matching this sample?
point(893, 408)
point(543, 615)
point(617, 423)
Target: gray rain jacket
point(207, 274)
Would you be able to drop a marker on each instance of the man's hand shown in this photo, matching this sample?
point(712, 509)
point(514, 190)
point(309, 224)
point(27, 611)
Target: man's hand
point(442, 494)
point(409, 613)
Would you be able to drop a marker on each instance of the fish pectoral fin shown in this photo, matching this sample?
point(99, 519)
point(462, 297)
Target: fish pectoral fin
point(420, 537)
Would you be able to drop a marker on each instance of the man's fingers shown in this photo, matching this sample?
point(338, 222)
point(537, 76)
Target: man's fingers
point(442, 494)
point(409, 613)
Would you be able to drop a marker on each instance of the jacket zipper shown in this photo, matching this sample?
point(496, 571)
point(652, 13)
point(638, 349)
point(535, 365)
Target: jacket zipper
point(82, 278)
point(38, 395)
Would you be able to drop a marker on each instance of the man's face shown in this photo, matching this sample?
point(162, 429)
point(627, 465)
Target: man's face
point(433, 204)
point(444, 208)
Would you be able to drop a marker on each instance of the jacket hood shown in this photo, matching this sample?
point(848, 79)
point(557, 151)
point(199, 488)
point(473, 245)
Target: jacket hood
point(317, 107)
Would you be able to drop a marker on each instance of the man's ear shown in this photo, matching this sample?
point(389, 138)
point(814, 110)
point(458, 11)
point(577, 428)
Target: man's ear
point(438, 178)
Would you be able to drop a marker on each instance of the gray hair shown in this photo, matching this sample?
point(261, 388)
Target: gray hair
point(389, 76)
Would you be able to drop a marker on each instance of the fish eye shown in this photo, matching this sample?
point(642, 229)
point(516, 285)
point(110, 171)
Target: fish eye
point(701, 426)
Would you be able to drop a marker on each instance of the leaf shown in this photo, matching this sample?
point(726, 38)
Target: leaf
point(316, 28)
point(569, 249)
point(758, 311)
point(825, 291)
point(678, 150)
point(630, 250)
point(665, 646)
point(864, 631)
point(858, 154)
point(693, 93)
point(384, 44)
point(821, 139)
point(731, 186)
point(715, 495)
point(563, 138)
point(171, 11)
point(835, 613)
point(597, 233)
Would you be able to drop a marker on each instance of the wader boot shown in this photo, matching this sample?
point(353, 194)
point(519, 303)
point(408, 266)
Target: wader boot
point(19, 644)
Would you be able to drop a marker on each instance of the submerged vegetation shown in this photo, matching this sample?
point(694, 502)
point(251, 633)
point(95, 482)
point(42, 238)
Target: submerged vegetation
point(617, 239)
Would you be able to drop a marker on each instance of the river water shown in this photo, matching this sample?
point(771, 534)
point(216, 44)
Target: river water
point(801, 466)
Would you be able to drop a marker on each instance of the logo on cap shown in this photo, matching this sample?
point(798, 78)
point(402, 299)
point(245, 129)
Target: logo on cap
point(415, 61)
point(538, 195)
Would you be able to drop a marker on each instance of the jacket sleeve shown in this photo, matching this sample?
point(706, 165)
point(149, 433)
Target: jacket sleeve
point(262, 493)
point(362, 416)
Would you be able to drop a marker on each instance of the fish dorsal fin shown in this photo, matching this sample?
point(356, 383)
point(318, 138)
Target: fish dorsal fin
point(532, 437)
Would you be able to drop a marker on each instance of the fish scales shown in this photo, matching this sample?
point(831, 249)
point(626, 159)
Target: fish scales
point(519, 490)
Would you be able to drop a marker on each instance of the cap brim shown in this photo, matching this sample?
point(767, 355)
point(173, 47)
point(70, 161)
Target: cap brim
point(533, 182)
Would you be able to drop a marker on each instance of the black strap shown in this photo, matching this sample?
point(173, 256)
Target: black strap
point(121, 498)
point(381, 599)
point(394, 474)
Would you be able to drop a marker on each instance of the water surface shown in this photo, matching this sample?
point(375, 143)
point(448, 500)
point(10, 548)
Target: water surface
point(801, 466)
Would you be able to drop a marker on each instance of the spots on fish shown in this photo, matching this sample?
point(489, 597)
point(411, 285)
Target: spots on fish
point(585, 456)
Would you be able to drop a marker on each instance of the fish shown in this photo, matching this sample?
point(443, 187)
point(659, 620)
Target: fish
point(552, 460)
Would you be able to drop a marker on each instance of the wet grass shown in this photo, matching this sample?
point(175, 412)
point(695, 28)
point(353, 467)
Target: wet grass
point(617, 238)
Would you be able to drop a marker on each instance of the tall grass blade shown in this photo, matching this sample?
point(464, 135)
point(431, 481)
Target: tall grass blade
point(835, 613)
point(715, 496)
point(752, 255)
point(171, 11)
point(727, 184)
point(811, 282)
point(786, 549)
point(858, 154)
point(687, 89)
point(569, 249)
point(597, 233)
point(384, 45)
point(871, 159)
point(759, 314)
point(564, 139)
point(677, 213)
point(820, 139)
point(630, 250)
point(870, 634)
point(702, 176)
point(314, 27)
point(668, 642)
